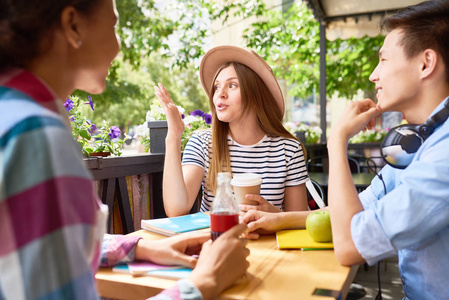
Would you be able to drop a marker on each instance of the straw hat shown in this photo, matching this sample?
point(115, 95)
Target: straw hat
point(220, 55)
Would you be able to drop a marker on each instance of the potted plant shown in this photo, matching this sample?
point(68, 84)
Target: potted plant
point(367, 144)
point(374, 135)
point(311, 133)
point(94, 141)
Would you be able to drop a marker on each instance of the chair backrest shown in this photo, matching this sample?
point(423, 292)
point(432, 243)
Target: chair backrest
point(315, 195)
point(354, 165)
point(321, 164)
point(370, 165)
point(318, 164)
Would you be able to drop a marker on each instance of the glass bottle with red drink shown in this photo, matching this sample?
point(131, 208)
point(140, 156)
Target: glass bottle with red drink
point(225, 211)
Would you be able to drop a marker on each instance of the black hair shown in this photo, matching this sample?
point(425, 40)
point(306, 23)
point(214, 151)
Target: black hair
point(24, 23)
point(424, 26)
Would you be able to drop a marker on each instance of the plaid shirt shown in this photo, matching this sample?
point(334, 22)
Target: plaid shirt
point(50, 240)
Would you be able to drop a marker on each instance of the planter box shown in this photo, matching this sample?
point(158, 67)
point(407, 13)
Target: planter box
point(301, 135)
point(158, 132)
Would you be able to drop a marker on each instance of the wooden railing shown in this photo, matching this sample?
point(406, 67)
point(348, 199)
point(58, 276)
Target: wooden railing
point(113, 177)
point(116, 179)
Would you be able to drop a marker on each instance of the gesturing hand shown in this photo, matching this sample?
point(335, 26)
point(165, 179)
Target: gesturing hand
point(174, 119)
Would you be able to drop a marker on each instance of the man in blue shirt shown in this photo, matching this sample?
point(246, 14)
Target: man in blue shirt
point(404, 211)
point(412, 217)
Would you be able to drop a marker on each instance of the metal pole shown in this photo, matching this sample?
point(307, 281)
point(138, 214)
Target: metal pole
point(323, 122)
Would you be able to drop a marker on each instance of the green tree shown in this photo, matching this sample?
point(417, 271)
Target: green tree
point(145, 59)
point(289, 42)
point(128, 98)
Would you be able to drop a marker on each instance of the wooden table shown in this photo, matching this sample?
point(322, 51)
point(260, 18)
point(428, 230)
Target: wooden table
point(273, 274)
point(361, 180)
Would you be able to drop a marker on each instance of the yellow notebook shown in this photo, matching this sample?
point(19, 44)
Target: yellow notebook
point(299, 239)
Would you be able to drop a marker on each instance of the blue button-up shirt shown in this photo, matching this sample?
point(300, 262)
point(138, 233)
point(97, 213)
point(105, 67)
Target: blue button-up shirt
point(412, 219)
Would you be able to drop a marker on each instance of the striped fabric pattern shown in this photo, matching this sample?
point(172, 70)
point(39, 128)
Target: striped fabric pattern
point(279, 161)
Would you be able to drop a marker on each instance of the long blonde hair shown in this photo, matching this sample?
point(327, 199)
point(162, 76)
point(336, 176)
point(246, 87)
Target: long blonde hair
point(255, 96)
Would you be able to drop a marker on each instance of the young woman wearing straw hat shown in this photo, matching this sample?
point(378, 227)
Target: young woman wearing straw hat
point(247, 136)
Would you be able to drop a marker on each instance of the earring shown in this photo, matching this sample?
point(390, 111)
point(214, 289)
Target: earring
point(79, 43)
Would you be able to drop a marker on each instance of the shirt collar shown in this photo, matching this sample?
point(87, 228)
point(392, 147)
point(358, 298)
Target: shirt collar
point(32, 86)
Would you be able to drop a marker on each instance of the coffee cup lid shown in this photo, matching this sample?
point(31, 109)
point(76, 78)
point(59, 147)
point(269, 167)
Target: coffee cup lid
point(247, 179)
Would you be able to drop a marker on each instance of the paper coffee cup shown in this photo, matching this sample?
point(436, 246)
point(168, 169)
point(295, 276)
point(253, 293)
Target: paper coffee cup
point(247, 183)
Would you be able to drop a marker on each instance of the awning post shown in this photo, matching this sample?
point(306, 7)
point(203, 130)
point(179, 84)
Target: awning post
point(323, 102)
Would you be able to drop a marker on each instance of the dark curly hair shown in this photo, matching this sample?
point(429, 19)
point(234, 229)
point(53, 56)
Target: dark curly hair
point(24, 23)
point(425, 26)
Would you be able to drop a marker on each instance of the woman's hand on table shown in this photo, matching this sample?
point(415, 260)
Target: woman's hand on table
point(175, 250)
point(174, 117)
point(260, 222)
point(263, 205)
point(221, 262)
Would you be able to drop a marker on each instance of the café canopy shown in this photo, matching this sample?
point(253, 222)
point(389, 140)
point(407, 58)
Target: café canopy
point(344, 19)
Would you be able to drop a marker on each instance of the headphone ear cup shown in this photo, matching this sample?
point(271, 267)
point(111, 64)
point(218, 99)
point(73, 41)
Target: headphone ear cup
point(411, 143)
point(402, 142)
point(400, 145)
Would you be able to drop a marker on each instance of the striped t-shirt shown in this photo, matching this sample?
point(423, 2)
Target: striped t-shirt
point(278, 160)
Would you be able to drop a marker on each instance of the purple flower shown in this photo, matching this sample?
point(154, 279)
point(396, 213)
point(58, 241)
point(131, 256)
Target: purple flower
point(197, 113)
point(182, 117)
point(208, 119)
point(114, 133)
point(68, 104)
point(72, 118)
point(93, 127)
point(91, 103)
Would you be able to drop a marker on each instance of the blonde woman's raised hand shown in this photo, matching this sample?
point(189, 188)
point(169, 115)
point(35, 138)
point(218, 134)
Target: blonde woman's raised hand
point(174, 117)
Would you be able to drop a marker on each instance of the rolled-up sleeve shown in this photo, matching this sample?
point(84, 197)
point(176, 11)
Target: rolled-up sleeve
point(369, 237)
point(367, 234)
point(117, 249)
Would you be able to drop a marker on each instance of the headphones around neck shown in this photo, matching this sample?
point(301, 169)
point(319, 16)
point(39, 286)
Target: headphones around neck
point(401, 143)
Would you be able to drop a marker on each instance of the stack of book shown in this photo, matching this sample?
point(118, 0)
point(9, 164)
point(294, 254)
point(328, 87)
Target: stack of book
point(177, 225)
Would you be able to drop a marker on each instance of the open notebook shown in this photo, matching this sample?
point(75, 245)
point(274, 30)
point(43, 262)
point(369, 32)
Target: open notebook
point(152, 269)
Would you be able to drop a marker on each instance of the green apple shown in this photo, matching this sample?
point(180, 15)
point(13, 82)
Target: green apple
point(318, 225)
